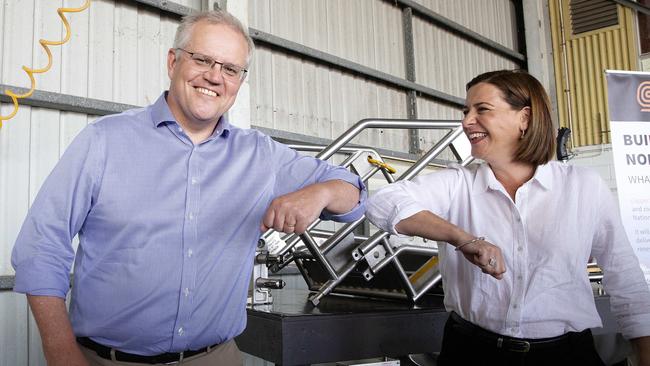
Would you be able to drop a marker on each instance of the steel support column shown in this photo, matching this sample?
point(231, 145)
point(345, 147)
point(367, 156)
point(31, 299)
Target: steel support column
point(409, 62)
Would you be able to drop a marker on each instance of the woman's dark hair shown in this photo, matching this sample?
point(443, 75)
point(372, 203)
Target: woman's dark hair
point(519, 89)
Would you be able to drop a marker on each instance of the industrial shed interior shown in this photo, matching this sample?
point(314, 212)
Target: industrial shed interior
point(393, 69)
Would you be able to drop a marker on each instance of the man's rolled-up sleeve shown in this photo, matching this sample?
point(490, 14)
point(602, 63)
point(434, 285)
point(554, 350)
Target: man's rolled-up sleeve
point(43, 254)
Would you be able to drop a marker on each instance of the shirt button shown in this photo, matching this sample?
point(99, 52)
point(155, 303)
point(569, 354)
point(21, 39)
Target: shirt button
point(514, 306)
point(180, 129)
point(186, 292)
point(189, 253)
point(191, 216)
point(520, 248)
point(194, 180)
point(181, 331)
point(519, 277)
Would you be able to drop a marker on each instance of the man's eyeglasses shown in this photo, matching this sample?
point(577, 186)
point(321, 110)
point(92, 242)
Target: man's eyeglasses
point(205, 63)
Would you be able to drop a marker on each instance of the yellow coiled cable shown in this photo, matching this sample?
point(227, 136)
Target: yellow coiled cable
point(45, 44)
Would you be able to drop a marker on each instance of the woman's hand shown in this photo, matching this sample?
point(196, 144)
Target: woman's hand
point(642, 346)
point(486, 256)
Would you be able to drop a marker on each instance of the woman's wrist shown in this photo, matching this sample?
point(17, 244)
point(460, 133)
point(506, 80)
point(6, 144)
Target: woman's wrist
point(468, 242)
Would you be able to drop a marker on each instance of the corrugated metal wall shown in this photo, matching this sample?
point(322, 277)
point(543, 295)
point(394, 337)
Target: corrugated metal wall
point(446, 61)
point(290, 93)
point(316, 100)
point(580, 66)
point(117, 53)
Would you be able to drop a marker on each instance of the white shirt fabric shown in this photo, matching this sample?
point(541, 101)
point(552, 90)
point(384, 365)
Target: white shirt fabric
point(560, 218)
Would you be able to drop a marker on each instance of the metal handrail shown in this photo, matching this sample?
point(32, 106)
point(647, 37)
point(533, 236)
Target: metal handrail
point(385, 123)
point(319, 251)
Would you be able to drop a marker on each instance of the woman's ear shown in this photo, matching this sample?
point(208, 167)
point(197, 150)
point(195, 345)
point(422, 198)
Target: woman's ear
point(524, 118)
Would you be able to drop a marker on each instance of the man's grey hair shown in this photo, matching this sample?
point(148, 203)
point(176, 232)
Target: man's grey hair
point(184, 31)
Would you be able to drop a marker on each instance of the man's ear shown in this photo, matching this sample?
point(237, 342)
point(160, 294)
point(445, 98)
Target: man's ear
point(171, 61)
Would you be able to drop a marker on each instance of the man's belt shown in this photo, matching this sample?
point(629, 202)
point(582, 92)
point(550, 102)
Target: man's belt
point(115, 355)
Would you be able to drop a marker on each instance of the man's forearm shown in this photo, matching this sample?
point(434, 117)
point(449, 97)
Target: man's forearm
point(343, 196)
point(59, 342)
point(293, 212)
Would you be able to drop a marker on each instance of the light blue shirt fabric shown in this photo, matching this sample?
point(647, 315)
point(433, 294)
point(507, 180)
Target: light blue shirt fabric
point(167, 228)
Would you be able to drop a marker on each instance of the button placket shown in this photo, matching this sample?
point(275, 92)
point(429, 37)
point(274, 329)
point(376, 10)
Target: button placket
point(190, 242)
point(514, 311)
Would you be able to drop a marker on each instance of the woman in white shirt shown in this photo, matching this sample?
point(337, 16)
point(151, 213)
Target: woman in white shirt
point(528, 222)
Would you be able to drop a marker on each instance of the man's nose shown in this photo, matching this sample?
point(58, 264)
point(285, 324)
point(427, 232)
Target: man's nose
point(214, 75)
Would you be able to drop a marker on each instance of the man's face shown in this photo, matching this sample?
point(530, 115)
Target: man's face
point(198, 99)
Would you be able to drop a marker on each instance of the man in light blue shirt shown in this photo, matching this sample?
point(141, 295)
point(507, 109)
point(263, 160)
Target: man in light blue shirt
point(169, 202)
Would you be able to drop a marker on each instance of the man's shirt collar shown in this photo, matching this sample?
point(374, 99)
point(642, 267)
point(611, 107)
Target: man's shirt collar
point(162, 115)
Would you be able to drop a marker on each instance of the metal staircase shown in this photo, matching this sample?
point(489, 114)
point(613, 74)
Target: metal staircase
point(344, 262)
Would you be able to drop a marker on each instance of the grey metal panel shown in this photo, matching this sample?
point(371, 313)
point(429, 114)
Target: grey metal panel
point(284, 106)
point(332, 100)
point(14, 182)
point(348, 66)
point(15, 134)
point(446, 62)
point(275, 104)
point(179, 6)
point(101, 44)
point(471, 20)
point(66, 102)
point(13, 329)
point(6, 282)
point(428, 109)
point(316, 77)
point(312, 98)
point(343, 28)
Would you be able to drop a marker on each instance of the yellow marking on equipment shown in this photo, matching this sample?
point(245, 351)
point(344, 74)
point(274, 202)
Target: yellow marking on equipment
point(424, 269)
point(381, 164)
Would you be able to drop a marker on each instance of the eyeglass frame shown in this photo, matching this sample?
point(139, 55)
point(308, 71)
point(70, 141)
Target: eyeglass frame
point(242, 71)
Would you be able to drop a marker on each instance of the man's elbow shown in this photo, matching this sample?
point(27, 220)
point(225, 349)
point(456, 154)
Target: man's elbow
point(355, 206)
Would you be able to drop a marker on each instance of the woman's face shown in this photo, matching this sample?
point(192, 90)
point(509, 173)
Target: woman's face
point(491, 125)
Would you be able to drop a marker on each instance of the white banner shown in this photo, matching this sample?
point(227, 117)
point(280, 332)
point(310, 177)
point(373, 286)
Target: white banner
point(629, 111)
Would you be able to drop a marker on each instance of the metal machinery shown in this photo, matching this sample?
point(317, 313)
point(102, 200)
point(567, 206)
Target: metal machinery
point(342, 262)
